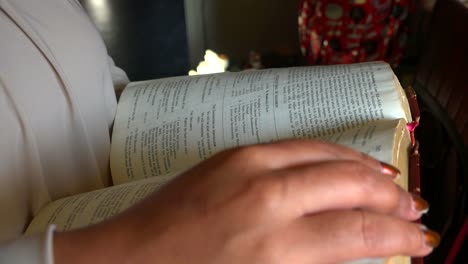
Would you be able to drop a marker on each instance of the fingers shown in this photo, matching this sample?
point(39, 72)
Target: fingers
point(334, 237)
point(333, 185)
point(295, 152)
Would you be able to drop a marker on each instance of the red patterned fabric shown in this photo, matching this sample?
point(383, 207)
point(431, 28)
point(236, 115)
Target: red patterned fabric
point(347, 31)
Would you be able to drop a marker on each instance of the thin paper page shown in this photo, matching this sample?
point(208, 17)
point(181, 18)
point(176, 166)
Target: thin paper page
point(375, 139)
point(93, 207)
point(170, 124)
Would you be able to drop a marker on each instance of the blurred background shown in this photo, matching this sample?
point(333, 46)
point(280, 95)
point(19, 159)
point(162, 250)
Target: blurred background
point(426, 41)
point(160, 38)
point(146, 38)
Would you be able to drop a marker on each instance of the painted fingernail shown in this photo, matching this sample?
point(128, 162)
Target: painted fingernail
point(418, 204)
point(390, 170)
point(431, 238)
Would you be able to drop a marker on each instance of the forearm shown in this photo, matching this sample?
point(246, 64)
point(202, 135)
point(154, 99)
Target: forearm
point(109, 242)
point(291, 202)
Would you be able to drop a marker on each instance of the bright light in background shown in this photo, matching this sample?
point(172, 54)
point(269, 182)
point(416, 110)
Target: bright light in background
point(213, 63)
point(100, 10)
point(98, 3)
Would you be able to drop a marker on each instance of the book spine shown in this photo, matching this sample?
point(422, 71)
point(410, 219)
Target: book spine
point(414, 177)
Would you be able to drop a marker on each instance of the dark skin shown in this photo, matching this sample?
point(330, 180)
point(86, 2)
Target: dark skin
point(289, 202)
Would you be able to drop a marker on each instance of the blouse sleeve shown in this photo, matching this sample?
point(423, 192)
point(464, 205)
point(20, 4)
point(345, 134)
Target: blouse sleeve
point(33, 249)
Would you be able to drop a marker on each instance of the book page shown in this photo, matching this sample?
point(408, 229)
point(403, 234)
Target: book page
point(381, 139)
point(89, 208)
point(385, 140)
point(167, 125)
point(376, 139)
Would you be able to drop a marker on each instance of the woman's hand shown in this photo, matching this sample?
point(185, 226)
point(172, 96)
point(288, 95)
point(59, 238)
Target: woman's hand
point(288, 202)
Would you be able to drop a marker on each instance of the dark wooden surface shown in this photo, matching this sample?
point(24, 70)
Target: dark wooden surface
point(444, 67)
point(442, 84)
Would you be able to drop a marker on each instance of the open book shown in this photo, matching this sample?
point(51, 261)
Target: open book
point(165, 126)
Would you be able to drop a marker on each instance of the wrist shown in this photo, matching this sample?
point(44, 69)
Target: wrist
point(98, 244)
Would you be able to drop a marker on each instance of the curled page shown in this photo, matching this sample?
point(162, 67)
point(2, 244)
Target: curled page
point(166, 125)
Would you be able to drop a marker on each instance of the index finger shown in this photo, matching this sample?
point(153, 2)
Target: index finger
point(295, 152)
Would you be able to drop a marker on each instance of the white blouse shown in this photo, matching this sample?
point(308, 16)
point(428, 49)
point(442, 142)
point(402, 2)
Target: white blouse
point(57, 105)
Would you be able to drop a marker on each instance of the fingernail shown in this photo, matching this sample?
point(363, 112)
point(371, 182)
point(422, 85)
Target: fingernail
point(390, 170)
point(431, 238)
point(418, 204)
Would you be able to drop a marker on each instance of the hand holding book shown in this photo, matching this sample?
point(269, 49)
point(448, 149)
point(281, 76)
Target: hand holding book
point(165, 127)
point(296, 201)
